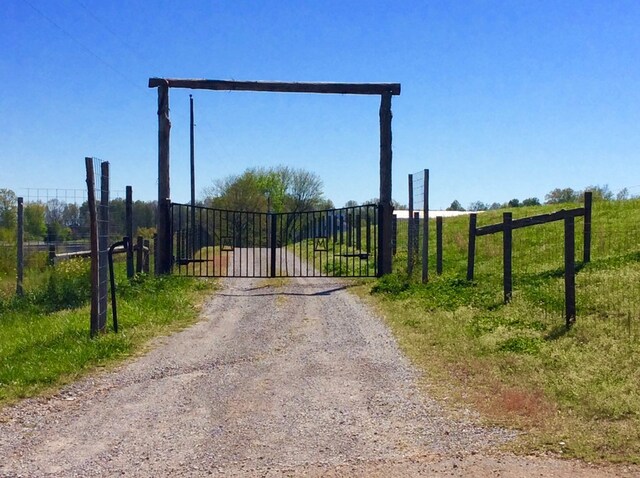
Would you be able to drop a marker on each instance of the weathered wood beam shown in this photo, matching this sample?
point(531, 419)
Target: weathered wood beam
point(163, 252)
point(279, 86)
point(385, 249)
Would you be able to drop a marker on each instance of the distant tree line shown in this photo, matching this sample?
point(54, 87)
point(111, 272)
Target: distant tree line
point(56, 220)
point(556, 196)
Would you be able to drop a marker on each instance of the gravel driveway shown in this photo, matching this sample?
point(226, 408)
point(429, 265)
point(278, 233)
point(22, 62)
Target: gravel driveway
point(282, 378)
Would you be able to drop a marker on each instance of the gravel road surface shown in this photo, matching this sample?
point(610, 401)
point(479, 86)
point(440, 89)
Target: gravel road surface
point(290, 378)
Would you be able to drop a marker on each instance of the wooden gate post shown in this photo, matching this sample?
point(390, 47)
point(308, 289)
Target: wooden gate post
point(385, 255)
point(163, 251)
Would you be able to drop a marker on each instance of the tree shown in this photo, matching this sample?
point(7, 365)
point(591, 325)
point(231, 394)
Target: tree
point(531, 202)
point(34, 225)
point(351, 203)
point(455, 206)
point(279, 189)
point(494, 206)
point(600, 193)
point(622, 194)
point(514, 203)
point(559, 196)
point(478, 206)
point(8, 209)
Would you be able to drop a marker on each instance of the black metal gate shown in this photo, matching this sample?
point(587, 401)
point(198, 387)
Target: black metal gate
point(219, 243)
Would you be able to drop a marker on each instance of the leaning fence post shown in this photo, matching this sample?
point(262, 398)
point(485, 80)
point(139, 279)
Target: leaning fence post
point(471, 254)
point(20, 249)
point(588, 199)
point(507, 243)
point(439, 245)
point(569, 271)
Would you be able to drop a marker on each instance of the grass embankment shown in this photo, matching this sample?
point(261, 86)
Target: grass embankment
point(573, 392)
point(44, 337)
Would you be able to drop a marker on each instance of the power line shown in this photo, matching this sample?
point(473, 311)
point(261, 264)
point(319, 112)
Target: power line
point(83, 46)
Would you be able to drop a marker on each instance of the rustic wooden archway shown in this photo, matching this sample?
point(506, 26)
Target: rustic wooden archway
point(385, 90)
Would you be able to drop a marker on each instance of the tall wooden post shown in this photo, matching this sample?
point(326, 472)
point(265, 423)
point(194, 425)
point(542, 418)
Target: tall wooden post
point(425, 228)
point(103, 245)
point(20, 249)
point(588, 201)
point(386, 209)
point(163, 225)
point(128, 212)
point(93, 228)
point(439, 245)
point(471, 253)
point(410, 229)
point(569, 271)
point(507, 246)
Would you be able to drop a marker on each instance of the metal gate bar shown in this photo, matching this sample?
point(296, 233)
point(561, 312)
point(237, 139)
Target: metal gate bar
point(211, 242)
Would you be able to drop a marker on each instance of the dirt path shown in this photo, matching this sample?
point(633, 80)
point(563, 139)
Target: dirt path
point(291, 379)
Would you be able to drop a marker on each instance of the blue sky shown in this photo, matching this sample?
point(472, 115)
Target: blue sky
point(500, 99)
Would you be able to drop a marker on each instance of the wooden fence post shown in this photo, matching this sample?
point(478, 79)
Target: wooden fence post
point(471, 254)
point(425, 228)
point(507, 244)
point(93, 228)
point(129, 228)
point(52, 255)
point(410, 229)
point(588, 199)
point(569, 271)
point(439, 245)
point(103, 245)
point(394, 233)
point(20, 249)
point(145, 261)
point(139, 254)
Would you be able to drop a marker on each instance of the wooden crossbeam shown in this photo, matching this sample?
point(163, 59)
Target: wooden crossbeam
point(278, 86)
point(531, 221)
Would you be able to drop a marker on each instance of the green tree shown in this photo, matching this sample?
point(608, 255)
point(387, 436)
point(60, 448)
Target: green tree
point(600, 193)
point(34, 224)
point(8, 209)
point(478, 206)
point(278, 189)
point(514, 203)
point(531, 202)
point(455, 206)
point(559, 196)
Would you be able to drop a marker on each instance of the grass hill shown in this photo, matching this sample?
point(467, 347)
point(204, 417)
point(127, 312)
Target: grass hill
point(575, 391)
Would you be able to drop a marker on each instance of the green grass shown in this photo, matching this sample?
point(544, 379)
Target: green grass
point(517, 363)
point(45, 344)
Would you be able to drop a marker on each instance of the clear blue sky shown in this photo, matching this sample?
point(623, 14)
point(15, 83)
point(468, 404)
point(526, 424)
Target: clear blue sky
point(500, 99)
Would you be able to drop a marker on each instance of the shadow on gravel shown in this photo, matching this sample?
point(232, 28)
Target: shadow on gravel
point(267, 294)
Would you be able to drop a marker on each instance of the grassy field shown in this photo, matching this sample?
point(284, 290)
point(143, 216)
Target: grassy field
point(44, 339)
point(574, 392)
